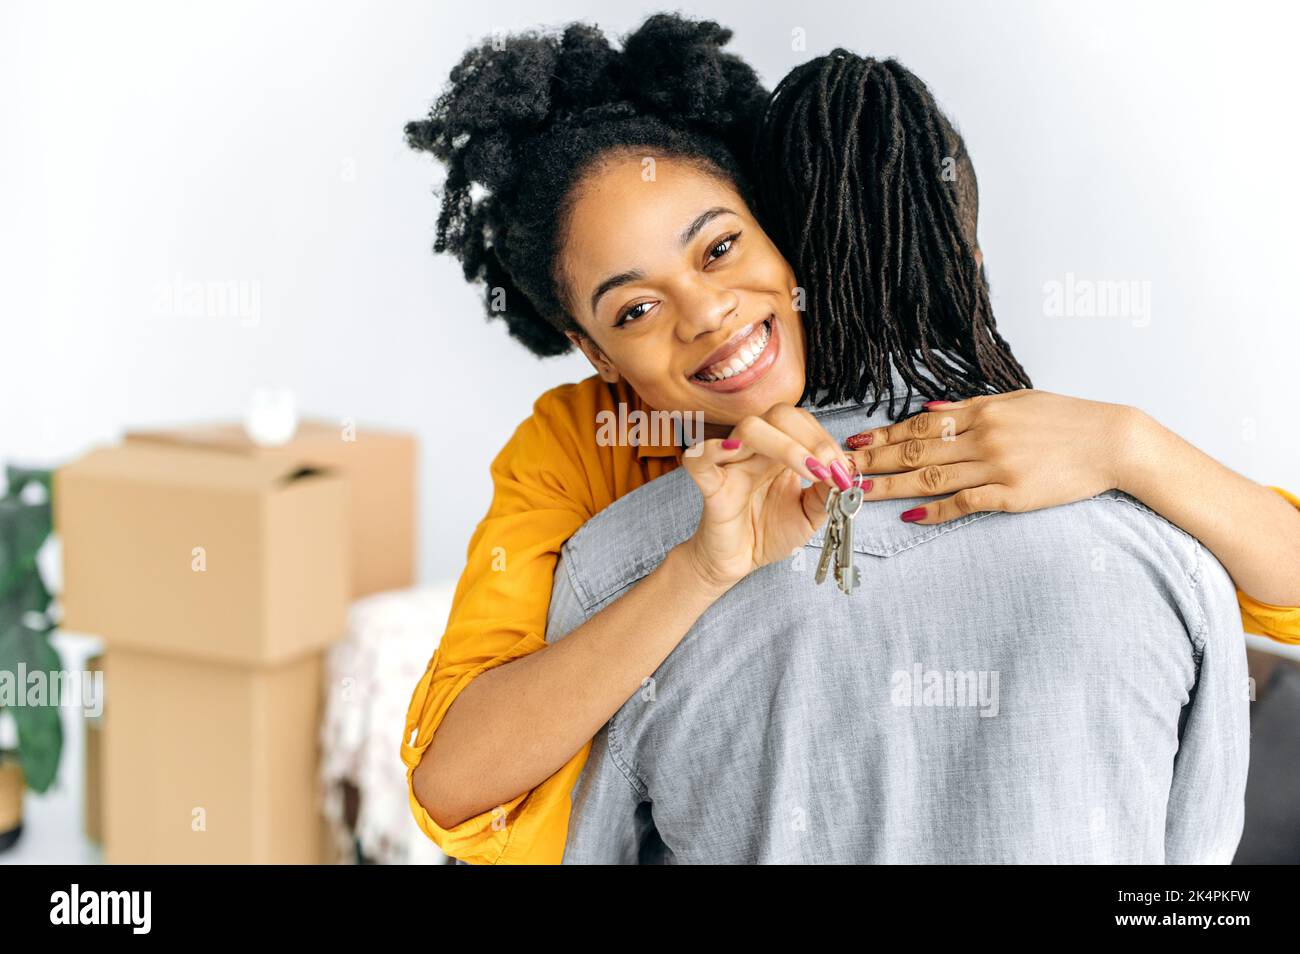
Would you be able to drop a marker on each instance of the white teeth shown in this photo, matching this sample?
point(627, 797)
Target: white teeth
point(740, 361)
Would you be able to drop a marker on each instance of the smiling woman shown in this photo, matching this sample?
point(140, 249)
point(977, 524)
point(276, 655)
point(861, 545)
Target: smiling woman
point(615, 216)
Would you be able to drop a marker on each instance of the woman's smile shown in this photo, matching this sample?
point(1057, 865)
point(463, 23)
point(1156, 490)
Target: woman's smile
point(745, 358)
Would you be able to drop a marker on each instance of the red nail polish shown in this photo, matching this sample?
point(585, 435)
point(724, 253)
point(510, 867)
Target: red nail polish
point(731, 443)
point(865, 483)
point(817, 468)
point(841, 475)
point(859, 440)
point(933, 404)
point(913, 515)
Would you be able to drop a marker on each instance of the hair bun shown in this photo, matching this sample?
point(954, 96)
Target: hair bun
point(676, 67)
point(523, 112)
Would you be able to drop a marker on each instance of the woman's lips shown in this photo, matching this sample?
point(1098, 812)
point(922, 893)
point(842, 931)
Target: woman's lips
point(744, 379)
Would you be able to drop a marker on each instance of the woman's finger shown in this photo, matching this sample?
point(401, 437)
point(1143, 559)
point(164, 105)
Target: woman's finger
point(921, 425)
point(978, 399)
point(928, 481)
point(987, 497)
point(940, 422)
point(912, 454)
point(763, 437)
point(801, 425)
point(705, 465)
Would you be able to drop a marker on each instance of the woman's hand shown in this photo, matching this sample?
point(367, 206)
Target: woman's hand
point(1019, 451)
point(755, 511)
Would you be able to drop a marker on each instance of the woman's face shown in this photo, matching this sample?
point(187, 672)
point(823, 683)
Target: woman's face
point(681, 292)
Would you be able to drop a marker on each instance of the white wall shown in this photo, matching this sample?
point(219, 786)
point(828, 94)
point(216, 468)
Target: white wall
point(262, 144)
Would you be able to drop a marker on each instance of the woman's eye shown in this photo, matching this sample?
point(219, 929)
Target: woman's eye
point(632, 314)
point(724, 246)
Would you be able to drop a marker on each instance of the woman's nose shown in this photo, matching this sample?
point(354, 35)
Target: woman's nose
point(706, 310)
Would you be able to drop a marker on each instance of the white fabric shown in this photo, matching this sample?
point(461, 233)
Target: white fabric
point(370, 676)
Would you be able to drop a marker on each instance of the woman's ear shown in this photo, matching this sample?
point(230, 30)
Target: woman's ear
point(604, 367)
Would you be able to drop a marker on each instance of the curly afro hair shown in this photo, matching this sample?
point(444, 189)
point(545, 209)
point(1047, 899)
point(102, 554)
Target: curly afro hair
point(525, 116)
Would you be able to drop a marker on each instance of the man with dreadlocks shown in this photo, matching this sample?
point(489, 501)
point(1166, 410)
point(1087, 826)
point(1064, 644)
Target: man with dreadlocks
point(875, 206)
point(615, 213)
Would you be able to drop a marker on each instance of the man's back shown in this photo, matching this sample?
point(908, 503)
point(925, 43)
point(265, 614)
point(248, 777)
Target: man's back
point(1067, 685)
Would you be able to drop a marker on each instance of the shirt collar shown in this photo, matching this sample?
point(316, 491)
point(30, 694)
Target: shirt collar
point(900, 391)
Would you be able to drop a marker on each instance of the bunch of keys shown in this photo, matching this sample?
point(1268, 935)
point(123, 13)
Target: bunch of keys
point(837, 548)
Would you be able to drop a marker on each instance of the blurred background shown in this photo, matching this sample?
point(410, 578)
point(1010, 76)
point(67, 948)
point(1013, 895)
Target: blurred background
point(209, 214)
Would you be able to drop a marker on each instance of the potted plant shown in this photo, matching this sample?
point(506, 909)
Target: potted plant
point(25, 626)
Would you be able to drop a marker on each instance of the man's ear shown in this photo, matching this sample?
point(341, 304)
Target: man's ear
point(604, 367)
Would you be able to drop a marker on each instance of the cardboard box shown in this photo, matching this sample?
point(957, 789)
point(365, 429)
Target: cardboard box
point(381, 470)
point(211, 764)
point(216, 572)
point(203, 553)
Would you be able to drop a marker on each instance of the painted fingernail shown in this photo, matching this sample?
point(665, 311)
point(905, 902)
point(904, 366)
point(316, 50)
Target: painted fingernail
point(841, 475)
point(930, 404)
point(859, 440)
point(864, 483)
point(913, 515)
point(731, 443)
point(817, 468)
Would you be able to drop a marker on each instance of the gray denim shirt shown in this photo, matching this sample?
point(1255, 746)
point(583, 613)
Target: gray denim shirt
point(1067, 685)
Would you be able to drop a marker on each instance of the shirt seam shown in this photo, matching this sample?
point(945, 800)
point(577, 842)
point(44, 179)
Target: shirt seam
point(1192, 577)
point(1198, 592)
point(613, 749)
point(572, 557)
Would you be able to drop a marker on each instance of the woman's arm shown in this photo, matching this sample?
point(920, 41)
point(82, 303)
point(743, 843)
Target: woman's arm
point(514, 725)
point(1030, 449)
point(1251, 529)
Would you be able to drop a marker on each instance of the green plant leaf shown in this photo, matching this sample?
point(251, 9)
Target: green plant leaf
point(19, 477)
point(40, 730)
point(40, 744)
point(27, 594)
point(23, 529)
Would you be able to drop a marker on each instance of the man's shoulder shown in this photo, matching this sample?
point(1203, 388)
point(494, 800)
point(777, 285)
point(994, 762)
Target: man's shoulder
point(630, 537)
point(627, 539)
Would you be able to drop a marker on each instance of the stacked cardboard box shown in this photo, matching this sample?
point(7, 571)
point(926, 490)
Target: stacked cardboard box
point(217, 573)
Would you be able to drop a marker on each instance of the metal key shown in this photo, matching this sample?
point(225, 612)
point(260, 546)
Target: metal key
point(846, 574)
point(830, 542)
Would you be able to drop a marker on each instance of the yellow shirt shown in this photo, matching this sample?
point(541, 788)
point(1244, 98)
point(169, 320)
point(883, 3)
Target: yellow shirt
point(550, 478)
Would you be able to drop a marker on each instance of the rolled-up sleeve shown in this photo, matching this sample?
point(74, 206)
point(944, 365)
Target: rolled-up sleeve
point(1276, 622)
point(498, 614)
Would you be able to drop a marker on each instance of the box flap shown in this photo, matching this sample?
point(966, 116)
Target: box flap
point(198, 466)
point(227, 437)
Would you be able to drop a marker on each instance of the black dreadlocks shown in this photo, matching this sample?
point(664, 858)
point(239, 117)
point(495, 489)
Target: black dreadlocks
point(868, 191)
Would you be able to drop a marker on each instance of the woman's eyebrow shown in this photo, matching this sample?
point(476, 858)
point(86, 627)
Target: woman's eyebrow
point(701, 220)
point(635, 274)
point(609, 284)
